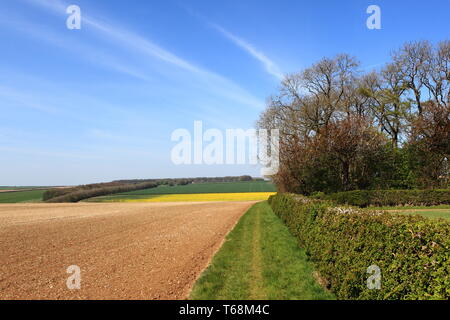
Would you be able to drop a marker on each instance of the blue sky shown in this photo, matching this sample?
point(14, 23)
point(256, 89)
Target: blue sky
point(100, 103)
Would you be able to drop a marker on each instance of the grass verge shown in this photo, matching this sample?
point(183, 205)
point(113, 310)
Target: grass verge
point(260, 259)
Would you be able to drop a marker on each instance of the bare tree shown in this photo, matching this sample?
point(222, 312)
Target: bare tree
point(385, 91)
point(430, 142)
point(411, 61)
point(437, 71)
point(333, 119)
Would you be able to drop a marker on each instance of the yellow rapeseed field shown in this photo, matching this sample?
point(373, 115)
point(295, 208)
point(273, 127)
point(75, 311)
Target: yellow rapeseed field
point(242, 196)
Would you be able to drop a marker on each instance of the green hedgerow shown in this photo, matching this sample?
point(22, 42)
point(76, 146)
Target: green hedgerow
point(412, 252)
point(365, 198)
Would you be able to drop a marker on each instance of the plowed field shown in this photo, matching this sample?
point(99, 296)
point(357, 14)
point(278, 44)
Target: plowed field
point(124, 250)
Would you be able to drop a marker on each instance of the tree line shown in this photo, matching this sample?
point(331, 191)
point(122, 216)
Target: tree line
point(344, 129)
point(184, 181)
point(81, 192)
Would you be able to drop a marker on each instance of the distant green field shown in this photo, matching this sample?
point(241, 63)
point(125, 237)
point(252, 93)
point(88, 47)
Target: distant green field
point(21, 196)
point(441, 206)
point(428, 213)
point(21, 187)
point(209, 187)
point(440, 211)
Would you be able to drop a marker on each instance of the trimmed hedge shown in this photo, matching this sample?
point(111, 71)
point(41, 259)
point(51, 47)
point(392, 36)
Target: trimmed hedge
point(365, 198)
point(412, 252)
point(78, 195)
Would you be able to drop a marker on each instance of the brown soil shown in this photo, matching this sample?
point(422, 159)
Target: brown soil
point(124, 250)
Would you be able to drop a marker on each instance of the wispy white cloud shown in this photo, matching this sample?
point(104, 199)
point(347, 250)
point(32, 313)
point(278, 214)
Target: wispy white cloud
point(373, 66)
point(132, 41)
point(47, 153)
point(102, 134)
point(270, 66)
point(86, 52)
point(125, 139)
point(12, 95)
point(123, 36)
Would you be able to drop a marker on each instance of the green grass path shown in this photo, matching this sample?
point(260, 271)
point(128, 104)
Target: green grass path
point(260, 259)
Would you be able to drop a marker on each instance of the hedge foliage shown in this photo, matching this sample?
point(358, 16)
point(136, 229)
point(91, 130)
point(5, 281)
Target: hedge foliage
point(78, 194)
point(365, 198)
point(58, 192)
point(412, 252)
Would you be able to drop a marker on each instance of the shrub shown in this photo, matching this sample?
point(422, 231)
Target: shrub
point(365, 198)
point(58, 192)
point(55, 192)
point(412, 252)
point(81, 194)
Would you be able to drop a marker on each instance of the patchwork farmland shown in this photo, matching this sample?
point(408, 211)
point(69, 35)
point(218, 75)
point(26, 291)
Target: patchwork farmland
point(205, 191)
point(227, 191)
point(160, 242)
point(188, 222)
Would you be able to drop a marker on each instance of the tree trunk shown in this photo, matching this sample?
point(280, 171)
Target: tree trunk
point(346, 175)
